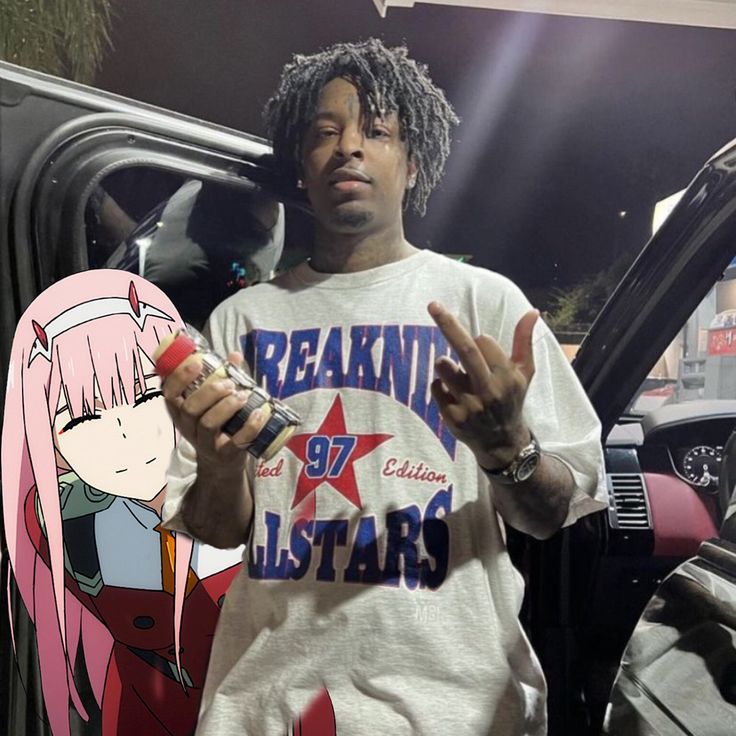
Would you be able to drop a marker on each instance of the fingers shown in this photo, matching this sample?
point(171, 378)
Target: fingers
point(452, 375)
point(205, 397)
point(201, 415)
point(466, 348)
point(251, 429)
point(177, 381)
point(481, 400)
point(482, 355)
point(453, 413)
point(210, 417)
point(522, 352)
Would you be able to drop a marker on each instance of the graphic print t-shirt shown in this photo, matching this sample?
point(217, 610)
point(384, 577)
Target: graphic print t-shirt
point(376, 566)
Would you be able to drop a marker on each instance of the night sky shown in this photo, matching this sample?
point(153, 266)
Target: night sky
point(567, 123)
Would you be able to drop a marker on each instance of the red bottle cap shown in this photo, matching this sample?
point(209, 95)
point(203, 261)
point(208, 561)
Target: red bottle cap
point(180, 349)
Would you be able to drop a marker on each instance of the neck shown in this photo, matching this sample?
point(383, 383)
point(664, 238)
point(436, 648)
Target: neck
point(157, 502)
point(350, 252)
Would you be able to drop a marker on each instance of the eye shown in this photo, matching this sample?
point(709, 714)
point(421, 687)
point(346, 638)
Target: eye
point(78, 420)
point(379, 131)
point(145, 397)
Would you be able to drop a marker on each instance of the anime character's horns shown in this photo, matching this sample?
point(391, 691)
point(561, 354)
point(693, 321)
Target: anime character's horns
point(133, 299)
point(87, 312)
point(40, 334)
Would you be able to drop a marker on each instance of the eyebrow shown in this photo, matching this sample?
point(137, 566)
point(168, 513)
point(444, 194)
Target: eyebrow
point(325, 115)
point(328, 116)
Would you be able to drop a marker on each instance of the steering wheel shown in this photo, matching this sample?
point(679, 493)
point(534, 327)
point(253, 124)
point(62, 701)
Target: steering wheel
point(727, 488)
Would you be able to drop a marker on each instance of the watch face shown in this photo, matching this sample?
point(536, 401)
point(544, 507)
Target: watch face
point(527, 467)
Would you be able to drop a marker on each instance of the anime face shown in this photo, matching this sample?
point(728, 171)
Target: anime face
point(123, 450)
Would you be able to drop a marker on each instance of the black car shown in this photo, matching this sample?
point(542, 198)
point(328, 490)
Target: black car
point(88, 178)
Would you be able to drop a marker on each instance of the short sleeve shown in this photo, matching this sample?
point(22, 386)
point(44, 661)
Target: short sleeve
point(564, 422)
point(180, 478)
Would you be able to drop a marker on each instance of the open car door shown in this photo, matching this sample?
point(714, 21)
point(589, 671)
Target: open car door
point(91, 180)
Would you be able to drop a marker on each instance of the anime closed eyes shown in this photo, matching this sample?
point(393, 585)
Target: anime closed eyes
point(85, 447)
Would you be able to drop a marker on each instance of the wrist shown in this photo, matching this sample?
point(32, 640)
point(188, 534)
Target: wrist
point(521, 466)
point(219, 470)
point(498, 458)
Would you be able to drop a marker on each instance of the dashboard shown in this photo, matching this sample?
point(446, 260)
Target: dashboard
point(673, 457)
point(687, 440)
point(684, 440)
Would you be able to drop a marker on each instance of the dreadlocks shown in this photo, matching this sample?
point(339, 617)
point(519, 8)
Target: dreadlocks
point(387, 81)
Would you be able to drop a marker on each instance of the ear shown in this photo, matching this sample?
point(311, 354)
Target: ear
point(412, 171)
point(299, 172)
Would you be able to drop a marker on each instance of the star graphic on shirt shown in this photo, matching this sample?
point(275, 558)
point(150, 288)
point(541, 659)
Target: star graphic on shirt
point(328, 456)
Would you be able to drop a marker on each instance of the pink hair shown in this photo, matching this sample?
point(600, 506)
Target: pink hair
point(103, 353)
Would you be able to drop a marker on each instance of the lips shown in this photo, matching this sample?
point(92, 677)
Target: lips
point(347, 174)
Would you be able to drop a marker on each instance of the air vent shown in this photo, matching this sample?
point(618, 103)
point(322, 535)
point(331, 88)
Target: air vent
point(628, 501)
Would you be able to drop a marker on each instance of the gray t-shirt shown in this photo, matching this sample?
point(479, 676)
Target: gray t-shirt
point(377, 565)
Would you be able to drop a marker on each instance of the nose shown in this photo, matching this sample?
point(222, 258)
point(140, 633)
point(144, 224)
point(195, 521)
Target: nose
point(351, 142)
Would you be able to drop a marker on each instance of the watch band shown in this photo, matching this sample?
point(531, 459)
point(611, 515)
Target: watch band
point(522, 467)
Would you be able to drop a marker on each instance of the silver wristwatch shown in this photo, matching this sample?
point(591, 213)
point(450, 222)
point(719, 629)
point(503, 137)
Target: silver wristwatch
point(521, 468)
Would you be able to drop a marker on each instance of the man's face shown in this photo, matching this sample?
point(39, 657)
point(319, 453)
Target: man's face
point(356, 179)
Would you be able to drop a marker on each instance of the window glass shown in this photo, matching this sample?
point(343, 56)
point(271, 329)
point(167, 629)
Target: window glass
point(120, 202)
point(700, 363)
point(198, 241)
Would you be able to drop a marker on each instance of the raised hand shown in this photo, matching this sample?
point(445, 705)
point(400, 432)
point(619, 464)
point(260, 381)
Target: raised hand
point(481, 399)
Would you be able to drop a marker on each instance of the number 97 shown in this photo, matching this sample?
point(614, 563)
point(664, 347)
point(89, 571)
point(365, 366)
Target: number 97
point(327, 456)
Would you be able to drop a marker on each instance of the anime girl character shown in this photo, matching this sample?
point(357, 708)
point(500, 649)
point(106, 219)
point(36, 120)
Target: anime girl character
point(85, 449)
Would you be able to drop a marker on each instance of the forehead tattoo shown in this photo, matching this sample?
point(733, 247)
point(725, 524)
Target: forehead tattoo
point(351, 100)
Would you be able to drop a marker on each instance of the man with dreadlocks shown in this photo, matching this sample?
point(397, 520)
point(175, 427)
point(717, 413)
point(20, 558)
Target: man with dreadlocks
point(377, 587)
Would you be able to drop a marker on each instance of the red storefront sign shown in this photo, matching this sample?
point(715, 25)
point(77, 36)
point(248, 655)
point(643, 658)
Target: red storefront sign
point(722, 342)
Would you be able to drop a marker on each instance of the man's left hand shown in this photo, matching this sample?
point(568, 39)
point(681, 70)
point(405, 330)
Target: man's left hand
point(481, 399)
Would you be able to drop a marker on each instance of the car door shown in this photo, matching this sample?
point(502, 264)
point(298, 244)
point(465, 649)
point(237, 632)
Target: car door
point(91, 180)
point(665, 430)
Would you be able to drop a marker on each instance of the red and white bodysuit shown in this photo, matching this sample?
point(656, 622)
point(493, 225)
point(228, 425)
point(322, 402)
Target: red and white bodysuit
point(119, 564)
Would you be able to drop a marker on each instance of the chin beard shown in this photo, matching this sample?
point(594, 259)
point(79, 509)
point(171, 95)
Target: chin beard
point(353, 220)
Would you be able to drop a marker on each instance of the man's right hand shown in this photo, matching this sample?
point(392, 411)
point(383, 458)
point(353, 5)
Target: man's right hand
point(200, 416)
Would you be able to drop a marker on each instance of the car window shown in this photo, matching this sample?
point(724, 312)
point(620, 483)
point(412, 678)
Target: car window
point(700, 363)
point(199, 241)
point(119, 204)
